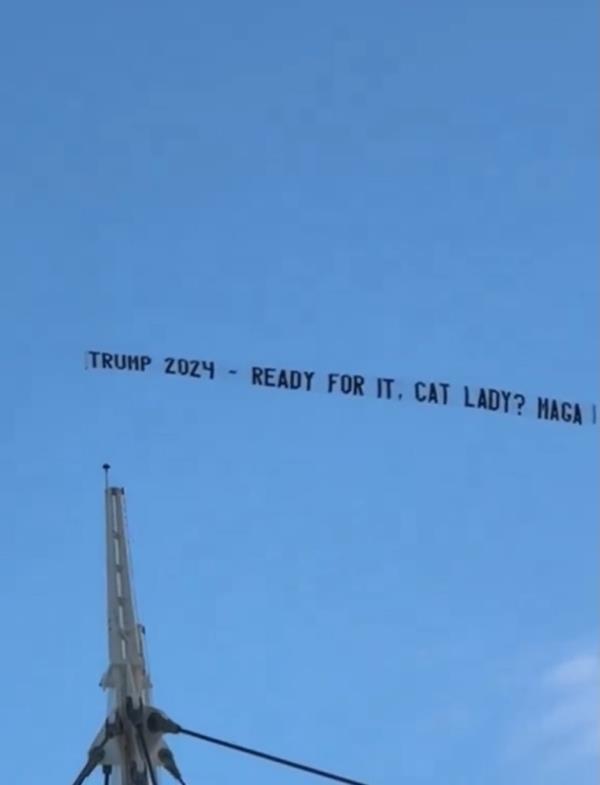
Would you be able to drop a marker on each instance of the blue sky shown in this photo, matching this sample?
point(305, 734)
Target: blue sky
point(400, 594)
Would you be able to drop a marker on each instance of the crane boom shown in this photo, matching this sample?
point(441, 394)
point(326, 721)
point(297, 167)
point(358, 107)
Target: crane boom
point(129, 749)
point(126, 679)
point(127, 673)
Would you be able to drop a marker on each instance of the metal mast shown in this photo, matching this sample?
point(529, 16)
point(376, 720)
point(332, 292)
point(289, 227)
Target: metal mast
point(127, 748)
point(127, 673)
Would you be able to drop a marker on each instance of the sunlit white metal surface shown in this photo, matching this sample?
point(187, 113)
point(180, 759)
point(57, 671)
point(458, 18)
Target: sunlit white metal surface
point(125, 746)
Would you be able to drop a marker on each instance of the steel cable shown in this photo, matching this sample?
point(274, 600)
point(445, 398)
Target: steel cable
point(273, 758)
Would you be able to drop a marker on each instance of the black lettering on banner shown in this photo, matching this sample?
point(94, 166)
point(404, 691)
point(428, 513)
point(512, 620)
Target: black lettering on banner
point(489, 398)
point(384, 387)
point(290, 380)
point(94, 356)
point(358, 383)
point(432, 392)
point(120, 362)
point(134, 362)
point(282, 378)
point(521, 400)
point(346, 383)
point(559, 411)
point(181, 366)
point(437, 393)
point(494, 400)
point(209, 367)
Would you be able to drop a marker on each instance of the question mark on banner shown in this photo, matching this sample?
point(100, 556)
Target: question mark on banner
point(520, 402)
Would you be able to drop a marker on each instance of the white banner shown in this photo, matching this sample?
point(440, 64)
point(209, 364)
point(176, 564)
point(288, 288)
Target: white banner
point(390, 388)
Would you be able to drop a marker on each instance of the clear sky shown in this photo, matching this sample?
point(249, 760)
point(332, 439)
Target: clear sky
point(405, 594)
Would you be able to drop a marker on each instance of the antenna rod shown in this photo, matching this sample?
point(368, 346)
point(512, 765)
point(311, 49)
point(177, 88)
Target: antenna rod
point(106, 467)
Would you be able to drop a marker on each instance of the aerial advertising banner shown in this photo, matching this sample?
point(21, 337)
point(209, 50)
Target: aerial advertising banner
point(396, 390)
